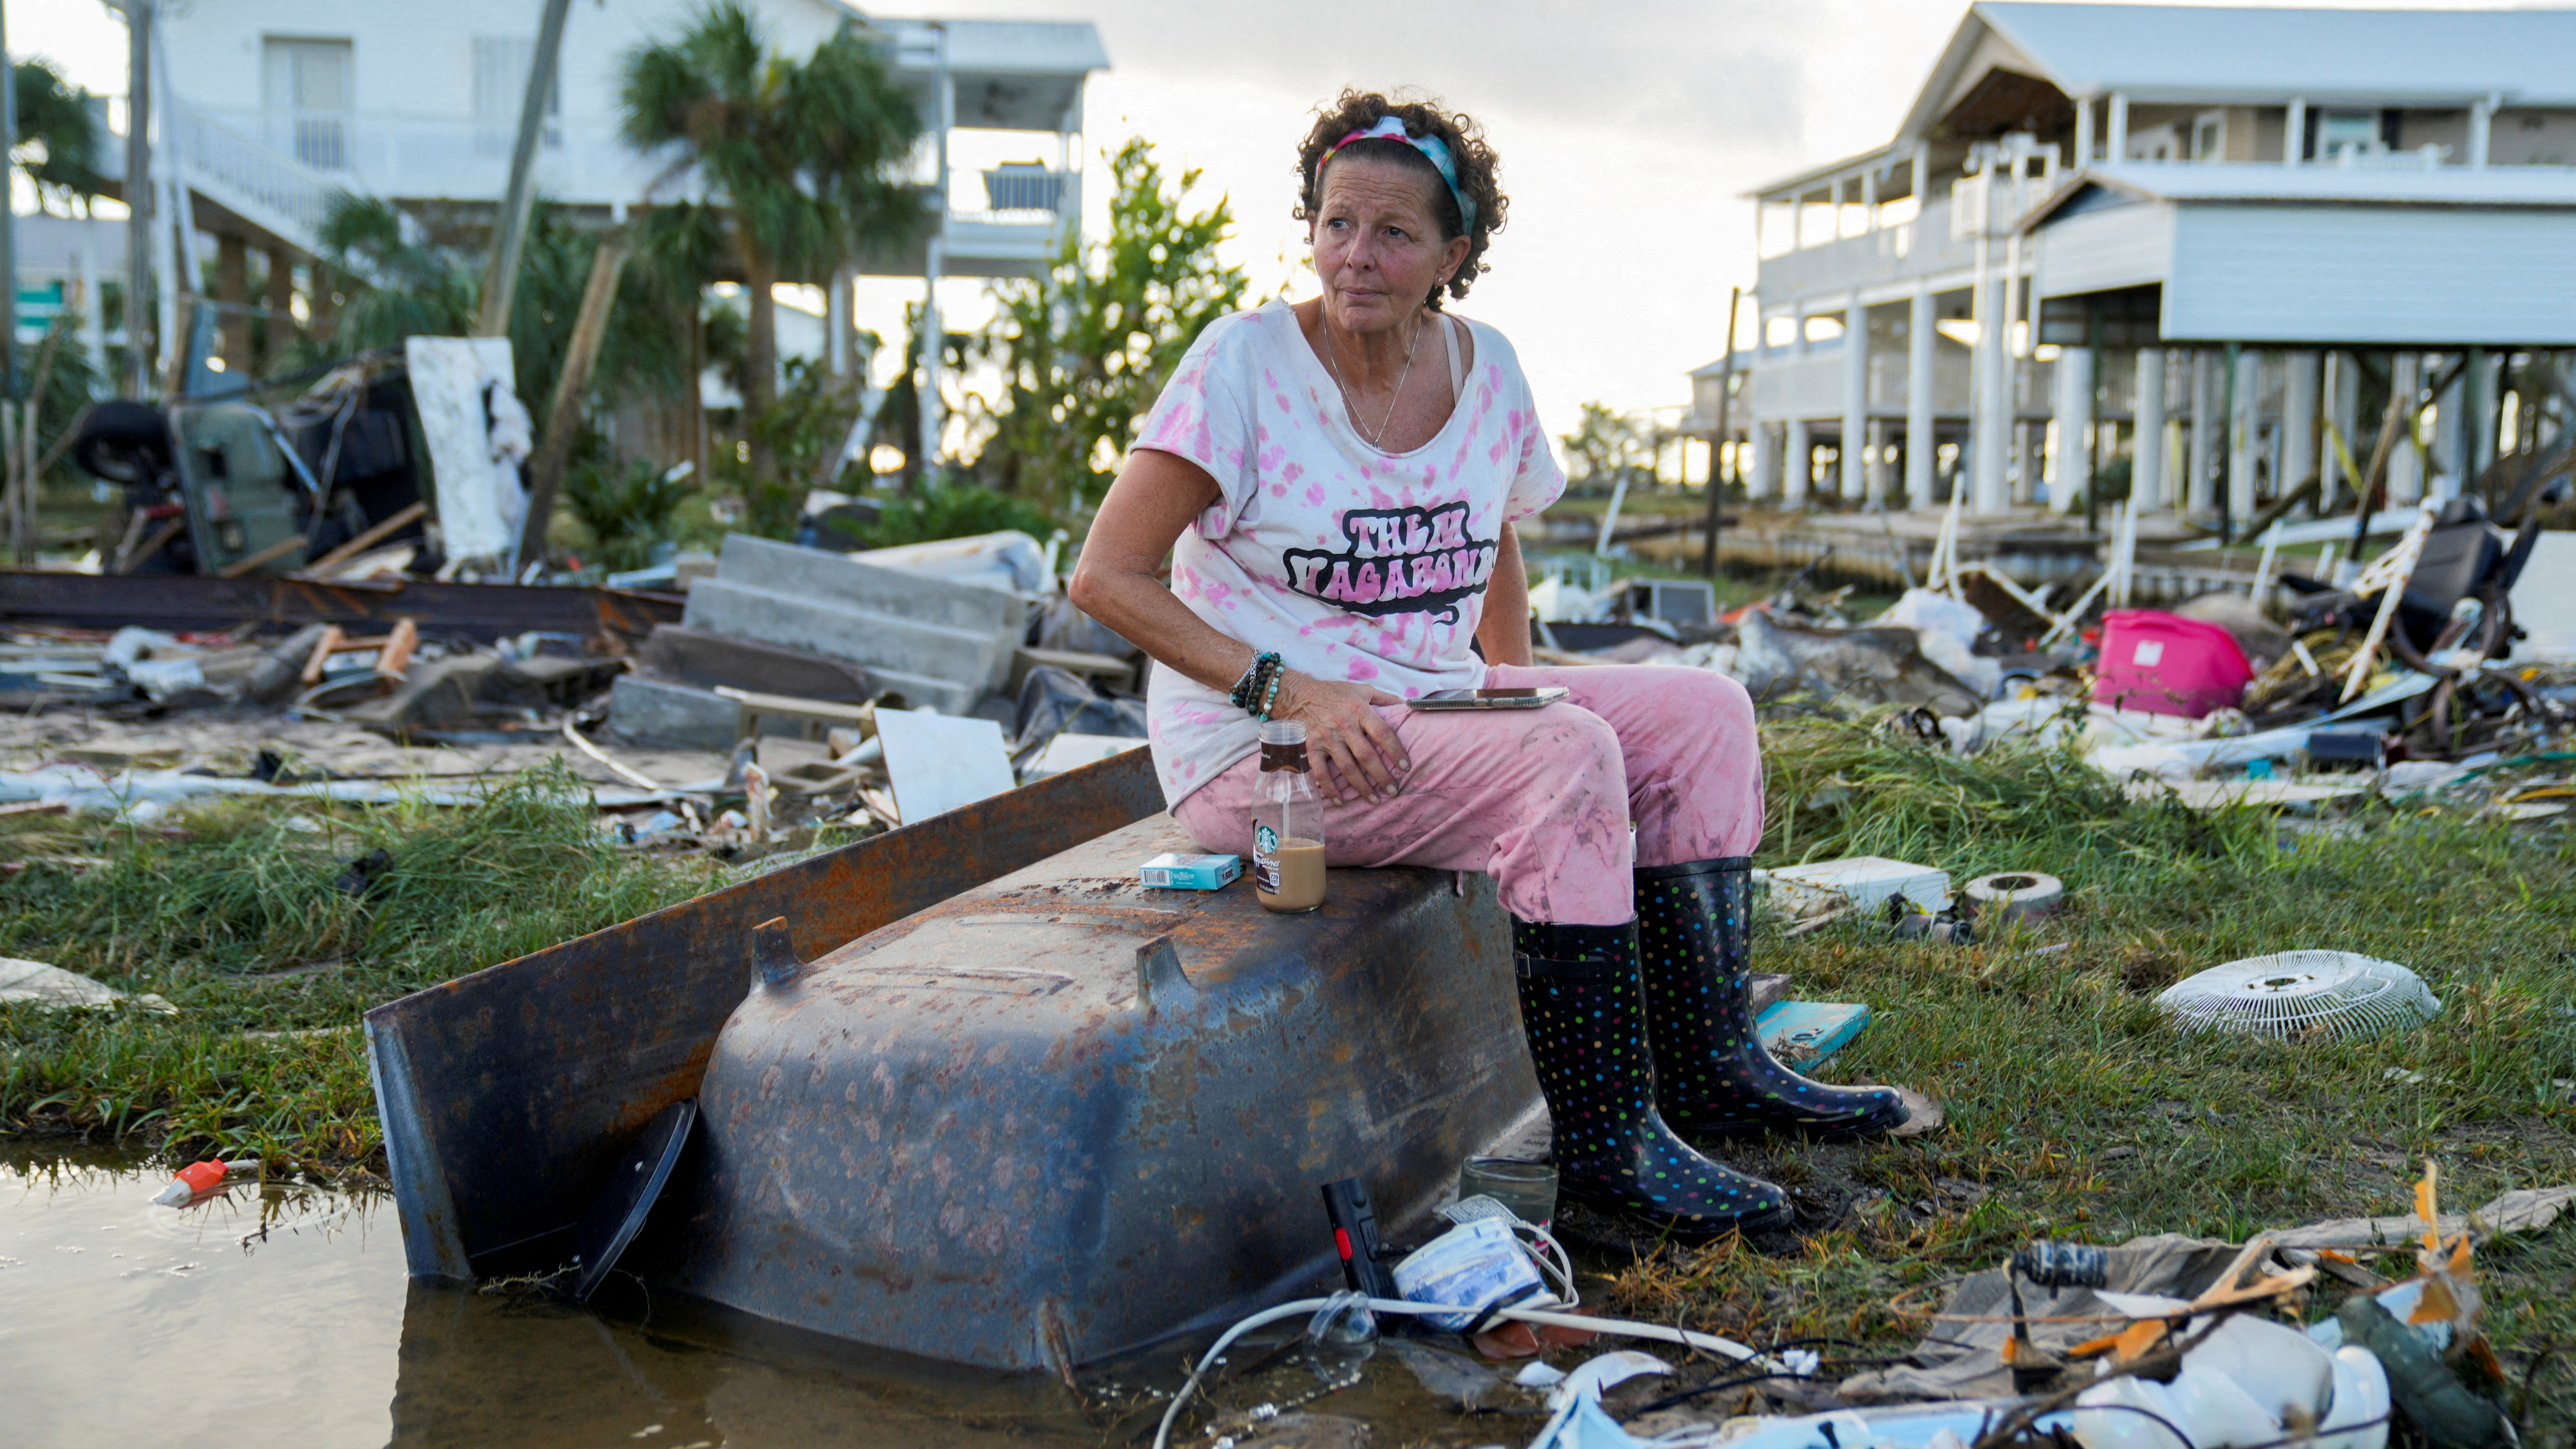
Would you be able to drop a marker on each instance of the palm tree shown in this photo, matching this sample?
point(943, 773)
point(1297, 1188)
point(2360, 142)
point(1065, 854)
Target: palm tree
point(55, 129)
point(783, 164)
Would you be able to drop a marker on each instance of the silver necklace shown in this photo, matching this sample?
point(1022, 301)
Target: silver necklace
point(1330, 347)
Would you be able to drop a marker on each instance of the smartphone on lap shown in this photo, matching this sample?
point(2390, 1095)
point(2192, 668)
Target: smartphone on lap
point(1524, 697)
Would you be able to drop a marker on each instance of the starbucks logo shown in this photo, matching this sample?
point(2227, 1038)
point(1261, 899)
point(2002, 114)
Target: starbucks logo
point(1265, 840)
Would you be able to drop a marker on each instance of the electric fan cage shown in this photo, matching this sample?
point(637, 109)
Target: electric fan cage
point(2301, 993)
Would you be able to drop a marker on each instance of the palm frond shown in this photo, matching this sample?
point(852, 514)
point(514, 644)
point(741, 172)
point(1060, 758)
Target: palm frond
point(54, 113)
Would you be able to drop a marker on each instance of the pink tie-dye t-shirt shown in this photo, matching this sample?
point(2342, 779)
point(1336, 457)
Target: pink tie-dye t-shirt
point(1350, 563)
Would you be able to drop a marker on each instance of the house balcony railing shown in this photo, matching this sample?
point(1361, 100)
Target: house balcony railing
point(1922, 247)
point(1014, 197)
point(280, 169)
point(582, 161)
point(265, 185)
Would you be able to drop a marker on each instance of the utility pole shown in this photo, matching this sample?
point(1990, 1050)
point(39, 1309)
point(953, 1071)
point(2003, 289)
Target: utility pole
point(934, 332)
point(8, 211)
point(501, 274)
point(138, 197)
point(1717, 440)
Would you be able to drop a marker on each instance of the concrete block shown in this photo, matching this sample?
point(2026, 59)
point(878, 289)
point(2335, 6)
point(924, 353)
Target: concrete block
point(810, 573)
point(945, 695)
point(886, 644)
point(695, 657)
point(657, 712)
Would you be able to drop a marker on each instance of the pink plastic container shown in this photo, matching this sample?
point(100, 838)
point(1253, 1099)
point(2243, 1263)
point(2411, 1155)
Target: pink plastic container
point(2166, 664)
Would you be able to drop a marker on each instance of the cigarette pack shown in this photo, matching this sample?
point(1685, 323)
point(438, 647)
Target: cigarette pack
point(1190, 872)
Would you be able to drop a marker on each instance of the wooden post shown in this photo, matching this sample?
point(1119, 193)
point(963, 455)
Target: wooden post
point(232, 291)
point(563, 414)
point(510, 231)
point(279, 333)
point(1717, 448)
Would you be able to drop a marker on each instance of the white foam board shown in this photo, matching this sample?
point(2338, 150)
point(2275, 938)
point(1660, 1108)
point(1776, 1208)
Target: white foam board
point(1072, 752)
point(939, 762)
point(479, 499)
point(1865, 881)
point(2544, 600)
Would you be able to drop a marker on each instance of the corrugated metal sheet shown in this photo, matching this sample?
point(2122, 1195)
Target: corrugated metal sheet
point(2327, 183)
point(2410, 276)
point(2173, 52)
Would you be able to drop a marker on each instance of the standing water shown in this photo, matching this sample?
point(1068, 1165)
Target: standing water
point(282, 1310)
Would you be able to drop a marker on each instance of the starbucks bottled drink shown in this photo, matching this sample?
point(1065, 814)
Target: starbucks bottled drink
point(1287, 823)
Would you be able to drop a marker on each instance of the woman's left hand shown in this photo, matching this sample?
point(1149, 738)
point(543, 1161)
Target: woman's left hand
point(1356, 751)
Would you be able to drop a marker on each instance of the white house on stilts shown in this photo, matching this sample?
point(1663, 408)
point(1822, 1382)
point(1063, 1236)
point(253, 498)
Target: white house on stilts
point(2196, 246)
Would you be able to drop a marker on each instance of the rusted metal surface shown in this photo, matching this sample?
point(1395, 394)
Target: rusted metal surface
point(508, 1095)
point(1061, 1116)
point(186, 601)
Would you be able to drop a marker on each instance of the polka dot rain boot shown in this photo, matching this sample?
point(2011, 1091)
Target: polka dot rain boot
point(1695, 952)
point(1584, 1015)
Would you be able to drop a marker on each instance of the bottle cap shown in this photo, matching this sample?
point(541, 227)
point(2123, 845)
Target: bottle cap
point(1283, 732)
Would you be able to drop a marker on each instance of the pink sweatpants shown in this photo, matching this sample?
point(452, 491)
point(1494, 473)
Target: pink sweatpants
point(1543, 799)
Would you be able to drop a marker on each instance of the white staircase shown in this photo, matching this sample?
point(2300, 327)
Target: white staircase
point(255, 181)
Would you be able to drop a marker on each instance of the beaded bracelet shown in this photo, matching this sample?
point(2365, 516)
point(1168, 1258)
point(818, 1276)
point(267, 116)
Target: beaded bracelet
point(1270, 696)
point(1264, 671)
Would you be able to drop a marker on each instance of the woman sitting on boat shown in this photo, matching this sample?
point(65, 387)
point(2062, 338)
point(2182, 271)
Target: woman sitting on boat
point(1336, 483)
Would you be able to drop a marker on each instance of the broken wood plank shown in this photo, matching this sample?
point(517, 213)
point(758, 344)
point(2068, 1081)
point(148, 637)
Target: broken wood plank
point(369, 539)
point(292, 543)
point(330, 643)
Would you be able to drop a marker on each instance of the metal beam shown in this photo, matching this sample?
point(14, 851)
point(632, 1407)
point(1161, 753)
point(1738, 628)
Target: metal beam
point(188, 601)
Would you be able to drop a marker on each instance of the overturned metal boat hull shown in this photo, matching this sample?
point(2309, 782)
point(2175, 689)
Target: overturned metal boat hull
point(1016, 1112)
point(1061, 1116)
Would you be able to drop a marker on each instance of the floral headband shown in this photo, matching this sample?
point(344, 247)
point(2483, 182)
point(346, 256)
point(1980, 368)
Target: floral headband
point(1391, 128)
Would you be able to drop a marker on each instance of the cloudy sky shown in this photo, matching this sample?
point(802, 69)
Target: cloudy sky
point(1628, 130)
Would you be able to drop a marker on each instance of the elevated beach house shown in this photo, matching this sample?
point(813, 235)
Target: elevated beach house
point(2179, 243)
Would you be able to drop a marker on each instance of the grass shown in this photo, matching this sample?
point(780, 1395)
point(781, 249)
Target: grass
point(2074, 1111)
point(261, 917)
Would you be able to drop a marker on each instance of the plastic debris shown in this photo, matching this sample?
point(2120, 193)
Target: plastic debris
point(2297, 994)
point(200, 1178)
point(2015, 895)
point(1476, 1263)
point(52, 987)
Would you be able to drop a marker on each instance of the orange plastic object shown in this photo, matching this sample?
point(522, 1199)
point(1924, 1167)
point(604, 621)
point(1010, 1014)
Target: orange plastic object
point(202, 1176)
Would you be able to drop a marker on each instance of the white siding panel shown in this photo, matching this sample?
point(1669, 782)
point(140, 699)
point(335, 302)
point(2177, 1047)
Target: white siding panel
point(2357, 274)
point(1799, 387)
point(2095, 251)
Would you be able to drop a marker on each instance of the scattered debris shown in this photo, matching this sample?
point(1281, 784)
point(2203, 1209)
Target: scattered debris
point(2016, 895)
point(2300, 994)
point(52, 988)
point(1865, 882)
point(199, 1179)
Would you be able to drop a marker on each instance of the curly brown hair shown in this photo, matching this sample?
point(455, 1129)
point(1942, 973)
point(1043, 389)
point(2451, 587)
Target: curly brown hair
point(1357, 111)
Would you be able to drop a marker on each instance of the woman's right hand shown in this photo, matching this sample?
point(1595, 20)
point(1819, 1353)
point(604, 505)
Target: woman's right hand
point(1357, 750)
